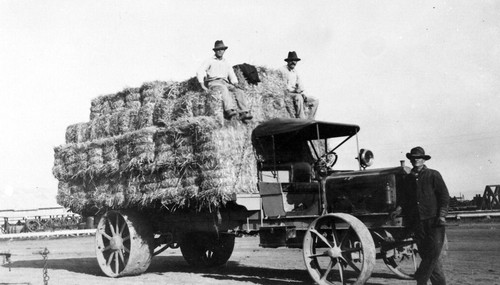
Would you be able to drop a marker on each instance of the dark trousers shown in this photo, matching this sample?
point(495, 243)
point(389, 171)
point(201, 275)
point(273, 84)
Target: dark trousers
point(430, 241)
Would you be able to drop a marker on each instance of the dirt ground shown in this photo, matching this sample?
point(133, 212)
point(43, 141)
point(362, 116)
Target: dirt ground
point(473, 258)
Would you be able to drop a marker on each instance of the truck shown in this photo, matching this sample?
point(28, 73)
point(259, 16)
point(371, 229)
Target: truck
point(338, 217)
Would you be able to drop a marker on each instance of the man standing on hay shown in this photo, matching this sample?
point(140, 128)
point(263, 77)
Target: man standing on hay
point(216, 74)
point(295, 89)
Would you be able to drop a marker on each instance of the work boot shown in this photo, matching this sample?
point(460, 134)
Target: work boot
point(230, 113)
point(245, 116)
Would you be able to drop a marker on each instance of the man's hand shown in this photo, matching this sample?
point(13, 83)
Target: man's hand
point(441, 222)
point(394, 214)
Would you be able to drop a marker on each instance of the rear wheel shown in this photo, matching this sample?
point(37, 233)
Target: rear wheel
point(400, 256)
point(338, 248)
point(124, 244)
point(207, 249)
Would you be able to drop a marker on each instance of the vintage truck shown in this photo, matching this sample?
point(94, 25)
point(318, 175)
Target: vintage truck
point(338, 217)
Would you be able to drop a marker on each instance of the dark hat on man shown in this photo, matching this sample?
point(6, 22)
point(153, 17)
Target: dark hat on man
point(219, 45)
point(292, 56)
point(417, 152)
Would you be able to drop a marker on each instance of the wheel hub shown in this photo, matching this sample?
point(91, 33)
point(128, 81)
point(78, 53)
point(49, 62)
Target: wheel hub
point(334, 252)
point(116, 243)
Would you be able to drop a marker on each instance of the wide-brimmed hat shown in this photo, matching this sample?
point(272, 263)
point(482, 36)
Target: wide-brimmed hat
point(417, 152)
point(292, 56)
point(219, 45)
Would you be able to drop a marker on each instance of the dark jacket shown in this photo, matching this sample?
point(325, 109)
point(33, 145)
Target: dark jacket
point(425, 195)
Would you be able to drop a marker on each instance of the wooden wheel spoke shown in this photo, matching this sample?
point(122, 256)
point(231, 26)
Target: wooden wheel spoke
point(328, 270)
point(122, 257)
point(126, 238)
point(314, 231)
point(344, 236)
point(117, 263)
point(352, 264)
point(111, 227)
point(105, 235)
point(110, 258)
point(341, 272)
point(117, 225)
point(106, 248)
point(318, 255)
point(414, 261)
point(123, 228)
point(353, 249)
point(126, 249)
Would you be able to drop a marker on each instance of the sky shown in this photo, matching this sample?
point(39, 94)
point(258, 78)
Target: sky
point(409, 73)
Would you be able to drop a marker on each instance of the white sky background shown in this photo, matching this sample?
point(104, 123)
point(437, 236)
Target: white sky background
point(408, 72)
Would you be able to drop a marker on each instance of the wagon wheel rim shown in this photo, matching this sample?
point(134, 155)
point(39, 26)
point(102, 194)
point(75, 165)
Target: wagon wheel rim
point(335, 255)
point(401, 257)
point(32, 225)
point(123, 244)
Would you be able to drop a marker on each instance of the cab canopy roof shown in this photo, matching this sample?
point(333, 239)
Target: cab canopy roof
point(303, 129)
point(286, 140)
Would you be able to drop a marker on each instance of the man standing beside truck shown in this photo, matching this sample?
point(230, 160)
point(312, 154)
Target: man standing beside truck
point(295, 89)
point(425, 206)
point(217, 74)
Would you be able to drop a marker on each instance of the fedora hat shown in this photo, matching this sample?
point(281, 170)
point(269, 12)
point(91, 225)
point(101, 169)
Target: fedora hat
point(219, 45)
point(417, 152)
point(292, 56)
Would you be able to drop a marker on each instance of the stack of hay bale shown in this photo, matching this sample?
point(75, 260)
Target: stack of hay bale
point(165, 142)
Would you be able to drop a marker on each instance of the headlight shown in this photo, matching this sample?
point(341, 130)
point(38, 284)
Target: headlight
point(365, 157)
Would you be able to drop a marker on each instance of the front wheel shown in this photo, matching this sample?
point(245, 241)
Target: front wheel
point(338, 248)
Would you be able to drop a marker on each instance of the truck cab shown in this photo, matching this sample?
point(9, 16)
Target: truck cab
point(298, 179)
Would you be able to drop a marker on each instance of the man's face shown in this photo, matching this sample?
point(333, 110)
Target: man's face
point(417, 162)
point(291, 64)
point(219, 53)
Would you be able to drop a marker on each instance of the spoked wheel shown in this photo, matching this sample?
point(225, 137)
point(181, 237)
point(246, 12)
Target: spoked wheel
point(207, 249)
point(124, 244)
point(337, 249)
point(400, 256)
point(33, 225)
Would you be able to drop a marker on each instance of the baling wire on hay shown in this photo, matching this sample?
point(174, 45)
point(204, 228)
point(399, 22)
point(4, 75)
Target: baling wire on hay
point(165, 142)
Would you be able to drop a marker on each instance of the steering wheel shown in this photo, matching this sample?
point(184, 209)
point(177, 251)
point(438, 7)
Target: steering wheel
point(327, 160)
point(331, 159)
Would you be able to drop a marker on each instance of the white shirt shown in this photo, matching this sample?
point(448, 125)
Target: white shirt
point(215, 68)
point(293, 82)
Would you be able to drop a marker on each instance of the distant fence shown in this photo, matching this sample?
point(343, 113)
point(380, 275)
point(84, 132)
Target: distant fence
point(39, 220)
point(63, 233)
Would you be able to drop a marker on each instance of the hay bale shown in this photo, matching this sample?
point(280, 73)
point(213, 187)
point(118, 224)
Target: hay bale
point(163, 112)
point(100, 127)
point(77, 133)
point(117, 102)
point(142, 148)
point(111, 164)
point(145, 116)
point(151, 92)
point(59, 170)
point(95, 160)
point(100, 106)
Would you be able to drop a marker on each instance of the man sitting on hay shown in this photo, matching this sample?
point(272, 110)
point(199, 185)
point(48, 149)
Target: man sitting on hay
point(216, 74)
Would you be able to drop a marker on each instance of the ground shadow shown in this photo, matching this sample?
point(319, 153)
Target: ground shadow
point(162, 265)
